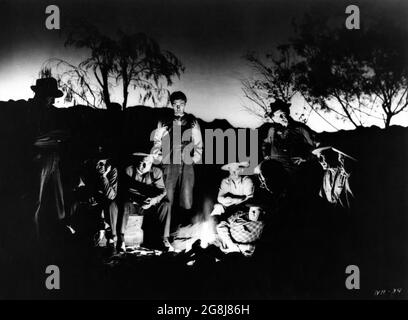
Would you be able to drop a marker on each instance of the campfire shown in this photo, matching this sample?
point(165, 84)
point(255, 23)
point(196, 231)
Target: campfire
point(202, 230)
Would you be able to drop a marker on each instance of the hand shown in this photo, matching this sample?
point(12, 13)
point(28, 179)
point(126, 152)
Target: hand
point(298, 160)
point(147, 204)
point(239, 227)
point(92, 201)
point(108, 169)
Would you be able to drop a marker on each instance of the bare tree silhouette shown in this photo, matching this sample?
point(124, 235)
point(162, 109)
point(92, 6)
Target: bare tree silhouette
point(140, 63)
point(387, 69)
point(359, 76)
point(133, 60)
point(101, 60)
point(274, 78)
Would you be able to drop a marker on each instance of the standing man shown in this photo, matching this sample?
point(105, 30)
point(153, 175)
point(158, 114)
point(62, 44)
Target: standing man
point(48, 142)
point(178, 146)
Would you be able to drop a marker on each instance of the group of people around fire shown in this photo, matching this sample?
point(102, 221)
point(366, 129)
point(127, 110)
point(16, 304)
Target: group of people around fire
point(159, 187)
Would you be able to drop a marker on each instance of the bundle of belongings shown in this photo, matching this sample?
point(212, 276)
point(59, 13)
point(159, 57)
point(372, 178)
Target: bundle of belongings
point(241, 230)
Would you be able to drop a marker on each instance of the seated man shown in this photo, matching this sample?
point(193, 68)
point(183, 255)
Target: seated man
point(234, 190)
point(144, 193)
point(240, 232)
point(287, 141)
point(98, 187)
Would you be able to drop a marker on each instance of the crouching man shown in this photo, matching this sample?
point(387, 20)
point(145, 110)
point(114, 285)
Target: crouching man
point(240, 231)
point(234, 190)
point(145, 195)
point(100, 180)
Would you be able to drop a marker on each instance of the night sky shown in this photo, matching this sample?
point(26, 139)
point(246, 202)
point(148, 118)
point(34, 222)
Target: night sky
point(208, 36)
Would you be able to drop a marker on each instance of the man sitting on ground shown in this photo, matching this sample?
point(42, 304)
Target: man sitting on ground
point(145, 194)
point(234, 190)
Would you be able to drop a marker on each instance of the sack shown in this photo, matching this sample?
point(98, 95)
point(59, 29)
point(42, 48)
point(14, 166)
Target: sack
point(243, 231)
point(335, 187)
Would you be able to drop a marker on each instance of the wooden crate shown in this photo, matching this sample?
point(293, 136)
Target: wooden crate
point(134, 231)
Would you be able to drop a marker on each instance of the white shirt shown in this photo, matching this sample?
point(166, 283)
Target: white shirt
point(241, 187)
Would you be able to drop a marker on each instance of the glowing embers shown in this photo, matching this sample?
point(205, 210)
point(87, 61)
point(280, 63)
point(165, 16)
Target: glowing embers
point(202, 230)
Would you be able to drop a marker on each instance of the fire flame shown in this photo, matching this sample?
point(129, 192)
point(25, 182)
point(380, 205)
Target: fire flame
point(203, 228)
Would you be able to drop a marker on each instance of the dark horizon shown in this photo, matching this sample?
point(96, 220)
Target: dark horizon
point(210, 37)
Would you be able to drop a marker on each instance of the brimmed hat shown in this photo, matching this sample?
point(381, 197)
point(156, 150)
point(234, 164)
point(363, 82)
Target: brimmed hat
point(279, 105)
point(235, 165)
point(319, 151)
point(47, 86)
point(51, 139)
point(101, 154)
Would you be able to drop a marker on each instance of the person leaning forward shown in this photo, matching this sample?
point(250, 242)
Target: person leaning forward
point(145, 195)
point(288, 141)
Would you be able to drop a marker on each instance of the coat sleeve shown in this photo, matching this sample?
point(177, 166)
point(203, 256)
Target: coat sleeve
point(197, 141)
point(159, 184)
point(224, 189)
point(110, 184)
point(158, 135)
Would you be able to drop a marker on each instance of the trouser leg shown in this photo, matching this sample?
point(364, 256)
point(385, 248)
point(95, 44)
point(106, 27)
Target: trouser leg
point(187, 186)
point(171, 177)
point(164, 214)
point(48, 166)
point(186, 193)
point(44, 176)
point(127, 210)
point(111, 215)
point(58, 192)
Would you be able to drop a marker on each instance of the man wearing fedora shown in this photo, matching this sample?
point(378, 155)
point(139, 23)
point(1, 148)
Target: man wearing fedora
point(178, 146)
point(48, 143)
point(144, 194)
point(287, 141)
point(234, 190)
point(42, 110)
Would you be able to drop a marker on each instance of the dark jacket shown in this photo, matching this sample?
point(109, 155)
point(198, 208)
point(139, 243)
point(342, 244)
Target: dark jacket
point(295, 140)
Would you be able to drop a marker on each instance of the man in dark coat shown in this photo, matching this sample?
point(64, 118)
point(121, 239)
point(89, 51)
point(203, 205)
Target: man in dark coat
point(288, 141)
point(48, 142)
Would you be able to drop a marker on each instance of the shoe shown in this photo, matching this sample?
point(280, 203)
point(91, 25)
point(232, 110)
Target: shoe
point(99, 239)
point(121, 246)
point(167, 245)
point(71, 230)
point(110, 243)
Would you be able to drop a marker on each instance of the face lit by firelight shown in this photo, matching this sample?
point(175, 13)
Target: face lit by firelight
point(178, 107)
point(235, 173)
point(280, 117)
point(145, 165)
